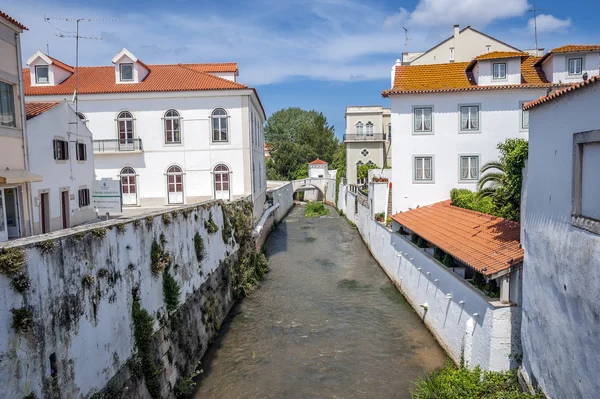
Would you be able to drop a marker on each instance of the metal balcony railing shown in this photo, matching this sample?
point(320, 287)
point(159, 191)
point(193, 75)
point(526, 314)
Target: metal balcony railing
point(365, 137)
point(117, 145)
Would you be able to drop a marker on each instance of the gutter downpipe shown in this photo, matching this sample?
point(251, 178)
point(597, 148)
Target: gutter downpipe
point(24, 129)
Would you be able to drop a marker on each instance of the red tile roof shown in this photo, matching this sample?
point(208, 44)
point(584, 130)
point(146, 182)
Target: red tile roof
point(501, 54)
point(101, 80)
point(34, 109)
point(457, 76)
point(569, 48)
point(12, 20)
point(214, 67)
point(562, 92)
point(486, 243)
point(61, 64)
point(318, 162)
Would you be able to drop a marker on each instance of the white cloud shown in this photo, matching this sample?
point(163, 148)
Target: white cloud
point(548, 23)
point(449, 12)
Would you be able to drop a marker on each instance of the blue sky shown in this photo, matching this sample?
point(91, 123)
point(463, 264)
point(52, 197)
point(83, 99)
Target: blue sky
point(321, 55)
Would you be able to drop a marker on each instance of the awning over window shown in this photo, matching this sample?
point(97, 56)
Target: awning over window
point(16, 176)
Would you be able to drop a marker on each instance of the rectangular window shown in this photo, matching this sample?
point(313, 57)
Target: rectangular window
point(585, 188)
point(423, 169)
point(7, 105)
point(84, 197)
point(469, 118)
point(469, 167)
point(126, 72)
point(81, 152)
point(500, 70)
point(422, 120)
point(524, 118)
point(575, 66)
point(41, 74)
point(61, 150)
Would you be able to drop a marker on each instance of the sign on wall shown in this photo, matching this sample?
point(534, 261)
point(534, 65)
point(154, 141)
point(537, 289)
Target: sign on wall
point(106, 195)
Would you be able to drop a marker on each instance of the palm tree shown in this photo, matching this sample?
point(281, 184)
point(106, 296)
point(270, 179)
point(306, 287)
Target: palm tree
point(493, 178)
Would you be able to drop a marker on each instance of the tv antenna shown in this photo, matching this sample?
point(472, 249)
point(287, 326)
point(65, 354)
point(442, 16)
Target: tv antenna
point(66, 34)
point(406, 39)
point(535, 14)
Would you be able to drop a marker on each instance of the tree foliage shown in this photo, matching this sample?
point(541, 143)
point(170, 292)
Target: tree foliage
point(504, 185)
point(298, 137)
point(467, 199)
point(362, 172)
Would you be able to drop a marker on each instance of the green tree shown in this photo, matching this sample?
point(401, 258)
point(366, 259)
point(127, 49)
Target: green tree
point(504, 185)
point(362, 171)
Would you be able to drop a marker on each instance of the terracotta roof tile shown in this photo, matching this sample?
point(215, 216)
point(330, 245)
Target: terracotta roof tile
point(562, 92)
point(12, 20)
point(61, 64)
point(569, 48)
point(37, 108)
point(500, 54)
point(213, 67)
point(457, 76)
point(101, 80)
point(486, 243)
point(318, 162)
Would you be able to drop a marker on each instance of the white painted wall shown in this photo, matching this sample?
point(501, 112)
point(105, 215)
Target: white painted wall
point(561, 277)
point(282, 195)
point(556, 66)
point(485, 72)
point(318, 171)
point(485, 332)
point(500, 118)
point(60, 122)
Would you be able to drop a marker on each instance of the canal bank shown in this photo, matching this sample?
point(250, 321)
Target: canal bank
point(326, 322)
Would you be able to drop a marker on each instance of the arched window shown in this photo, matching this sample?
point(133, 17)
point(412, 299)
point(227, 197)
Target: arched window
point(219, 125)
point(221, 177)
point(81, 116)
point(359, 128)
point(175, 185)
point(172, 127)
point(125, 129)
point(369, 128)
point(128, 186)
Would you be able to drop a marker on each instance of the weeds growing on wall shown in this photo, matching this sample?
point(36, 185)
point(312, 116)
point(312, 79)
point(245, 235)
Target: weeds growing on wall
point(121, 228)
point(184, 386)
point(199, 247)
point(12, 260)
point(451, 382)
point(20, 282)
point(171, 291)
point(166, 218)
point(143, 328)
point(31, 395)
point(159, 258)
point(210, 225)
point(88, 280)
point(314, 209)
point(22, 319)
point(99, 232)
point(227, 229)
point(45, 246)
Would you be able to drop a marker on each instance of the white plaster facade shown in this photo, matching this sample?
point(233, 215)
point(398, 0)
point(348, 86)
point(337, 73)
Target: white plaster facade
point(500, 117)
point(368, 138)
point(561, 316)
point(556, 67)
point(159, 171)
point(63, 179)
point(15, 200)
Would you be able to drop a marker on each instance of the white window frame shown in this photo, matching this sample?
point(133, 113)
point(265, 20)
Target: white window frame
point(522, 115)
point(469, 179)
point(577, 218)
point(359, 128)
point(498, 77)
point(37, 78)
point(174, 132)
point(580, 66)
point(422, 109)
point(369, 128)
point(414, 169)
point(220, 128)
point(121, 72)
point(467, 131)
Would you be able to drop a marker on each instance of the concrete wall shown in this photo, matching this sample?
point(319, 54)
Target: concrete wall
point(70, 175)
point(561, 277)
point(74, 323)
point(500, 118)
point(354, 154)
point(466, 323)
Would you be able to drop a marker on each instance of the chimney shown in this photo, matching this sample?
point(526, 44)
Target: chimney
point(456, 32)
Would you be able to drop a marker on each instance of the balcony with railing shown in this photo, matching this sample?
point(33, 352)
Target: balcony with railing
point(365, 137)
point(115, 146)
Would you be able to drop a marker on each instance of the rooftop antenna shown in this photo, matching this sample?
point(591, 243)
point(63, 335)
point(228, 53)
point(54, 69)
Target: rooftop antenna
point(406, 39)
point(535, 11)
point(47, 48)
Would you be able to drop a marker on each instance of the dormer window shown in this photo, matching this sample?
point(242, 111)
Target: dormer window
point(499, 70)
point(575, 66)
point(41, 74)
point(126, 72)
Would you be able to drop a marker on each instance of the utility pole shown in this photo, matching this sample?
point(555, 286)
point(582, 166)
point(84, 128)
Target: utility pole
point(535, 11)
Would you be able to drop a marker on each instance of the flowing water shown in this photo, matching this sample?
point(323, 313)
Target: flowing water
point(325, 323)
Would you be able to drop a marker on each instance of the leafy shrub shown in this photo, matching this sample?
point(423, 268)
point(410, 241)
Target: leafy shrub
point(451, 382)
point(388, 221)
point(380, 216)
point(184, 386)
point(143, 328)
point(11, 260)
point(421, 243)
point(159, 260)
point(466, 199)
point(315, 209)
point(199, 246)
point(166, 218)
point(98, 232)
point(20, 282)
point(45, 246)
point(171, 291)
point(210, 225)
point(22, 319)
point(414, 238)
point(121, 228)
point(448, 261)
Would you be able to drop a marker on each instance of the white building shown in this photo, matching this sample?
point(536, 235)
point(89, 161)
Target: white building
point(173, 134)
point(449, 118)
point(561, 231)
point(61, 151)
point(15, 177)
point(368, 137)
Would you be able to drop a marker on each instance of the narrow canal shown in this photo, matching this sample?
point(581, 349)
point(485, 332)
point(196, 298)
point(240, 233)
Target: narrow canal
point(326, 323)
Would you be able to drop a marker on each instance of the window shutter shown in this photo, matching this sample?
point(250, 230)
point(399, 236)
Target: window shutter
point(55, 147)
